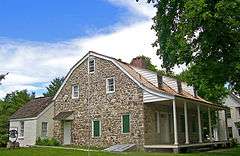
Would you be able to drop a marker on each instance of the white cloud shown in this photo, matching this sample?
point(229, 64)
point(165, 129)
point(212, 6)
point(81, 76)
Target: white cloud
point(32, 64)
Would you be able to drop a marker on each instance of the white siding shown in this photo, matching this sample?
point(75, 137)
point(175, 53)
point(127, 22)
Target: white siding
point(171, 82)
point(235, 116)
point(149, 75)
point(46, 117)
point(148, 97)
point(187, 88)
point(29, 131)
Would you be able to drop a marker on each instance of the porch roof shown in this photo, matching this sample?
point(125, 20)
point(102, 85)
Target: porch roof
point(64, 116)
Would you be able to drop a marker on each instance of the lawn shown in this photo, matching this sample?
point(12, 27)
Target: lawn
point(64, 152)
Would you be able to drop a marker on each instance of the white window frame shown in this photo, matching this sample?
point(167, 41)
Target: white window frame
point(129, 123)
point(94, 65)
point(100, 128)
point(75, 97)
point(107, 85)
point(44, 133)
point(21, 129)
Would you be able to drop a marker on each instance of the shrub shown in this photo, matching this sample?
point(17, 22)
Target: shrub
point(233, 142)
point(47, 142)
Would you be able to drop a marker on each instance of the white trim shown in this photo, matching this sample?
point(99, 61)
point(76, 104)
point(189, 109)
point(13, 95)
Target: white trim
point(94, 65)
point(107, 85)
point(129, 123)
point(169, 96)
point(100, 128)
point(78, 88)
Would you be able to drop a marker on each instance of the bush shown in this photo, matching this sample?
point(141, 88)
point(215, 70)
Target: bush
point(233, 142)
point(47, 142)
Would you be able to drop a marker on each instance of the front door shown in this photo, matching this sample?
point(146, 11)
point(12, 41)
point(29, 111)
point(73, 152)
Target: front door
point(67, 133)
point(164, 128)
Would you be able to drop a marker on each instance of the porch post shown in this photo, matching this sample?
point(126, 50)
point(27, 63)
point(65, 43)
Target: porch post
point(217, 125)
point(186, 123)
point(210, 124)
point(199, 124)
point(226, 125)
point(175, 123)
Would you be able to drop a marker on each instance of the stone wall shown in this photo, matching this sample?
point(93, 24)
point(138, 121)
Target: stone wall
point(108, 108)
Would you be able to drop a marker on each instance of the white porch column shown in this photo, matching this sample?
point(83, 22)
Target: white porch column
point(226, 126)
point(186, 123)
point(175, 122)
point(210, 124)
point(217, 126)
point(199, 124)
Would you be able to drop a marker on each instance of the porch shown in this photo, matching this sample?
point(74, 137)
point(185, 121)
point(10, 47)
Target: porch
point(181, 124)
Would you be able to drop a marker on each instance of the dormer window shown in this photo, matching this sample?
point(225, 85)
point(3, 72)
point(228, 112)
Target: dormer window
point(110, 85)
point(75, 91)
point(91, 65)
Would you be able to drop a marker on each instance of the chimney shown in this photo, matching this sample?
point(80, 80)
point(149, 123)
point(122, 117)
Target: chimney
point(138, 62)
point(195, 91)
point(179, 86)
point(160, 81)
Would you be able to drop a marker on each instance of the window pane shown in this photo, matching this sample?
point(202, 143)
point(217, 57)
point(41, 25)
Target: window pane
point(21, 129)
point(75, 91)
point(96, 128)
point(230, 132)
point(126, 123)
point(91, 66)
point(111, 85)
point(228, 112)
point(44, 129)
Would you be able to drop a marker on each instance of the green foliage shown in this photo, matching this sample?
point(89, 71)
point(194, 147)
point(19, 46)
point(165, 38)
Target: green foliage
point(53, 87)
point(203, 35)
point(209, 91)
point(11, 103)
point(47, 142)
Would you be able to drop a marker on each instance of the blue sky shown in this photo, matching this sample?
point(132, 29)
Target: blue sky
point(56, 20)
point(42, 40)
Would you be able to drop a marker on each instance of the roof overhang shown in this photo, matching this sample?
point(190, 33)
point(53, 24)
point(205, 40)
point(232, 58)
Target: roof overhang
point(68, 115)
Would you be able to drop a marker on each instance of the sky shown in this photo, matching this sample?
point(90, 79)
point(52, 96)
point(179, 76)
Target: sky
point(42, 40)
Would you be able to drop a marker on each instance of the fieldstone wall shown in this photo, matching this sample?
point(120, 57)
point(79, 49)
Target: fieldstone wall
point(94, 103)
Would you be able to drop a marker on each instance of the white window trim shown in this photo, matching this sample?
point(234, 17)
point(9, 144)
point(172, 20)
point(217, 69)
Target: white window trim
point(129, 123)
point(46, 130)
point(91, 59)
point(114, 85)
point(20, 129)
point(100, 128)
point(73, 97)
point(158, 122)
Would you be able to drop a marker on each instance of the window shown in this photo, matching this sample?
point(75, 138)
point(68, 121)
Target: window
point(96, 128)
point(239, 132)
point(110, 85)
point(239, 112)
point(228, 113)
point(75, 91)
point(44, 129)
point(157, 122)
point(126, 123)
point(21, 134)
point(230, 132)
point(91, 65)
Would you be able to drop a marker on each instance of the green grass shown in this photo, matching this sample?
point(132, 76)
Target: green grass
point(64, 152)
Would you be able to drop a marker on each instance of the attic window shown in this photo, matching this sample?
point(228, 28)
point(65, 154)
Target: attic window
point(110, 85)
point(91, 65)
point(75, 91)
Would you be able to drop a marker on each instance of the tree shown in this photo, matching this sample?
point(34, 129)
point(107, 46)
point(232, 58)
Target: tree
point(10, 104)
point(53, 87)
point(203, 35)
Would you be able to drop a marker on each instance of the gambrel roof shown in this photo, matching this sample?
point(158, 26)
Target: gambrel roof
point(165, 91)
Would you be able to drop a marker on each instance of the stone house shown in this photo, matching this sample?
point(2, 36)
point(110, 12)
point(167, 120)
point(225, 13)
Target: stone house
point(233, 116)
point(104, 101)
point(33, 120)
